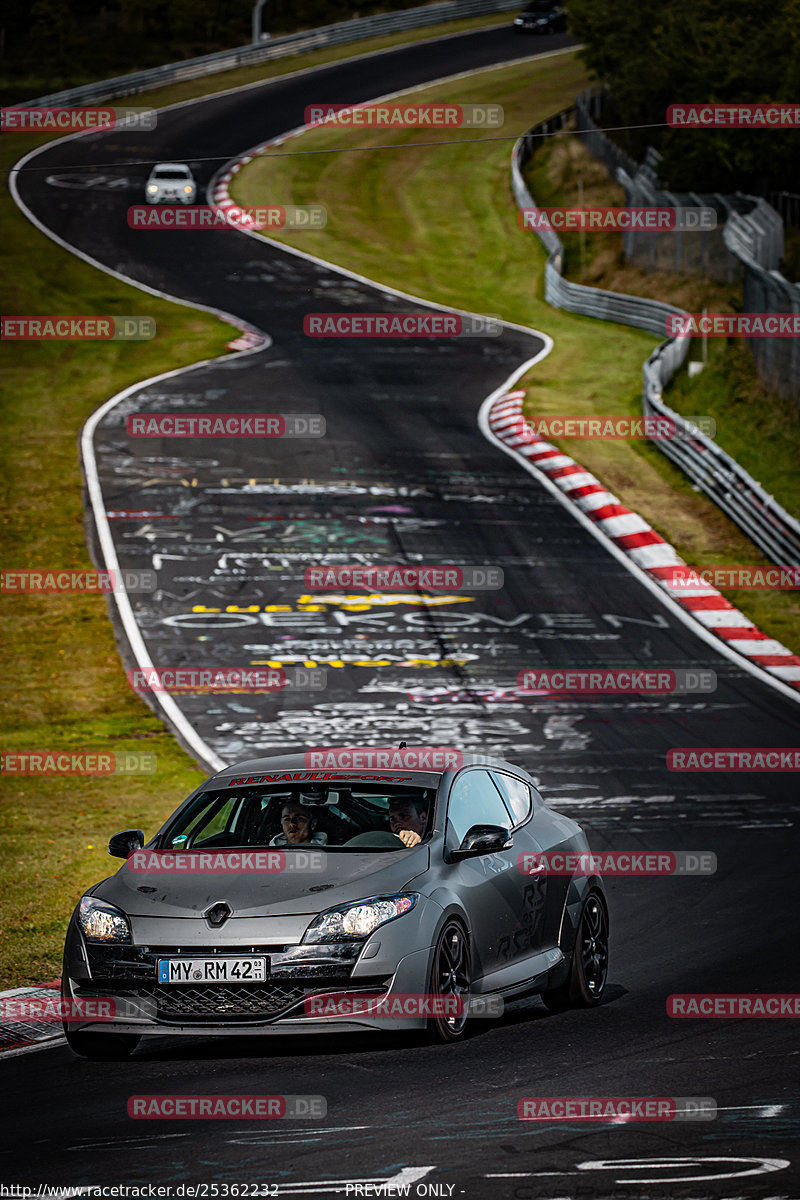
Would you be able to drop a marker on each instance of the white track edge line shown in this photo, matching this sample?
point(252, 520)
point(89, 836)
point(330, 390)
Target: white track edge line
point(171, 711)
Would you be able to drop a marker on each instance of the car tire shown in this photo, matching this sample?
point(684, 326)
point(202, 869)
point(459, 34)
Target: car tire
point(588, 973)
point(451, 974)
point(103, 1047)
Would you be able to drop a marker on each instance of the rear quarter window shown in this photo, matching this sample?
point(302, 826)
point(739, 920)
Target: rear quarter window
point(516, 794)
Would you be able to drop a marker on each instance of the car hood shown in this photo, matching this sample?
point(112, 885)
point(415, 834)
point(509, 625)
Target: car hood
point(347, 877)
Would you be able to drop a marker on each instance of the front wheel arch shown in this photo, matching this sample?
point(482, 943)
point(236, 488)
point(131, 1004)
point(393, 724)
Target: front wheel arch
point(450, 973)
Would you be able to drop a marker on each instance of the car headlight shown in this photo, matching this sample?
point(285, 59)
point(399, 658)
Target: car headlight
point(102, 922)
point(355, 921)
point(152, 187)
point(188, 189)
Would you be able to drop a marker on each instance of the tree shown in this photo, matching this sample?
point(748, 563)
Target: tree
point(653, 53)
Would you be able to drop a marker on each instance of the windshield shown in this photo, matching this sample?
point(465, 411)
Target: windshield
point(171, 173)
point(337, 816)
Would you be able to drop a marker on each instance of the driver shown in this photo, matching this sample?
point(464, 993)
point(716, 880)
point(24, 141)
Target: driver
point(298, 826)
point(407, 819)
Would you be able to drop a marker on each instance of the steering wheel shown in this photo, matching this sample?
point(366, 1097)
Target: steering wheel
point(378, 839)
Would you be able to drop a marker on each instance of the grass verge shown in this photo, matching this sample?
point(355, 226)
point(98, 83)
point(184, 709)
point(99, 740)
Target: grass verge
point(66, 688)
point(439, 221)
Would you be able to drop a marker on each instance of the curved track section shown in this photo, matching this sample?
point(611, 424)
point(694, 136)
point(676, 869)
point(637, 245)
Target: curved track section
point(405, 472)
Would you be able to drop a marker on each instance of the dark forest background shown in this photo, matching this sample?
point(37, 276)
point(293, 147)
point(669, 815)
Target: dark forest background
point(48, 45)
point(653, 53)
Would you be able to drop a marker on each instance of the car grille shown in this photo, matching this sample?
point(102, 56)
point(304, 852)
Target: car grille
point(213, 1003)
point(226, 1001)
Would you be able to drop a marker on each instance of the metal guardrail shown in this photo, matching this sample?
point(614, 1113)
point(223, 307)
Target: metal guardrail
point(788, 205)
point(747, 246)
point(759, 514)
point(777, 359)
point(339, 34)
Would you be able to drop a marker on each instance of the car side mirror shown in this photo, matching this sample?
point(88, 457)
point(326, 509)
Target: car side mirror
point(122, 845)
point(482, 839)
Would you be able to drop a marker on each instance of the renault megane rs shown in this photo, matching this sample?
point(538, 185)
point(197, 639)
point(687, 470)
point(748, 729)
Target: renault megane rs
point(275, 894)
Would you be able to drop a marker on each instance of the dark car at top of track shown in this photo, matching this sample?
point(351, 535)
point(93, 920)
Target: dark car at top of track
point(178, 945)
point(541, 17)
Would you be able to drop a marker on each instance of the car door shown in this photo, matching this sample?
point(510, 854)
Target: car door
point(528, 937)
point(494, 892)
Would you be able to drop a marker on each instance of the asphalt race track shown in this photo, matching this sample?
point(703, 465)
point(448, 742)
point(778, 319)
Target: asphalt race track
point(404, 471)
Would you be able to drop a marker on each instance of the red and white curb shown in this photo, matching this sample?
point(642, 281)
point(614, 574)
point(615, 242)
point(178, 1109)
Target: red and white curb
point(25, 1034)
point(238, 219)
point(219, 191)
point(636, 539)
point(248, 339)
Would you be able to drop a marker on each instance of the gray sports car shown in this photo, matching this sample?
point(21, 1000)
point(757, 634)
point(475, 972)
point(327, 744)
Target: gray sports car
point(282, 899)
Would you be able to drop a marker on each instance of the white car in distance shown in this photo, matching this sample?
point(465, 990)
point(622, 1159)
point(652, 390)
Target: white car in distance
point(170, 183)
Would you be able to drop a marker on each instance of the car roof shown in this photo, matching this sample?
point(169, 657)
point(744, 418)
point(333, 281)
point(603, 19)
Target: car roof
point(171, 167)
point(296, 763)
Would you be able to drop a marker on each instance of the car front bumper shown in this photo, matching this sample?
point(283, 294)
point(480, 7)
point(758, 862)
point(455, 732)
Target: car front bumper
point(394, 960)
point(175, 198)
point(160, 1016)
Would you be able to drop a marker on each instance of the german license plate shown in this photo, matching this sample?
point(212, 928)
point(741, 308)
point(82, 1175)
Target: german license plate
point(211, 970)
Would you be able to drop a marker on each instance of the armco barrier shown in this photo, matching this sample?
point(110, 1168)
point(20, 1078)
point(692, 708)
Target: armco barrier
point(747, 245)
point(281, 47)
point(771, 528)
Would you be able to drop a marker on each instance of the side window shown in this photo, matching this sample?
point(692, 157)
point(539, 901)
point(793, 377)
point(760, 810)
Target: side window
point(516, 794)
point(214, 821)
point(474, 800)
point(219, 823)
